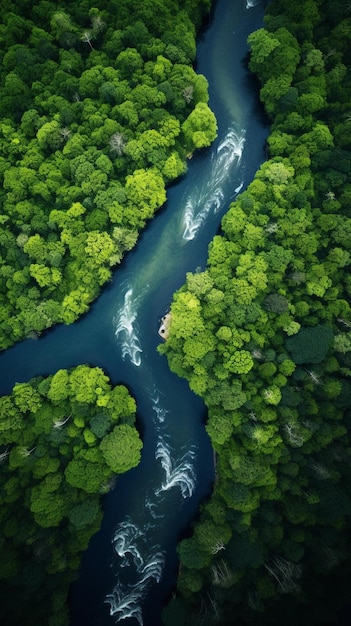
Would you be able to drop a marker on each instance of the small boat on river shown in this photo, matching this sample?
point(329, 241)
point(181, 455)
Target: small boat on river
point(164, 328)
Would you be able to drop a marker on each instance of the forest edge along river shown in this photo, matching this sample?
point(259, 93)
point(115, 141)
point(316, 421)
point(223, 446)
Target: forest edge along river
point(131, 565)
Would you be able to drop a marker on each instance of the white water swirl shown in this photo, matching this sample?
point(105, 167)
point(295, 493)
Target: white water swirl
point(159, 410)
point(127, 331)
point(209, 198)
point(126, 598)
point(124, 542)
point(179, 472)
point(131, 542)
point(126, 603)
point(251, 3)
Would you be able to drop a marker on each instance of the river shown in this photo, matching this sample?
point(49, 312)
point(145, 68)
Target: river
point(131, 565)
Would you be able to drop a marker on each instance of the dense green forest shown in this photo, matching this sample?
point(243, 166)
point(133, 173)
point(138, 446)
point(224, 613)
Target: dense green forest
point(264, 336)
point(64, 439)
point(100, 107)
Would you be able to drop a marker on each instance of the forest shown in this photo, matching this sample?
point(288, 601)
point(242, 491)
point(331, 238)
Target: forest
point(263, 335)
point(64, 439)
point(100, 109)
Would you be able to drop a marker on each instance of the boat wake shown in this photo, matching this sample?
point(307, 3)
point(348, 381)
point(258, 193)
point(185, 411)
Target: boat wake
point(127, 330)
point(179, 473)
point(209, 198)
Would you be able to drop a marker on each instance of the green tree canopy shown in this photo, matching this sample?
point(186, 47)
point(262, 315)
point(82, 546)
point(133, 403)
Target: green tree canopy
point(310, 345)
point(121, 448)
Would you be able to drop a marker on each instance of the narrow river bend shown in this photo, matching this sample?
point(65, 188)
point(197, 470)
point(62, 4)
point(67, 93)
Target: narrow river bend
point(131, 564)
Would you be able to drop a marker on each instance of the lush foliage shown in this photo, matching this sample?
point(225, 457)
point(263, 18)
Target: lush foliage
point(264, 336)
point(56, 435)
point(99, 108)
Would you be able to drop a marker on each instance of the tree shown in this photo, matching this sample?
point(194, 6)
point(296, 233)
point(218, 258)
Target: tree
point(36, 248)
point(212, 537)
point(148, 148)
point(276, 303)
point(100, 424)
point(117, 144)
point(85, 514)
point(128, 62)
point(342, 342)
point(285, 573)
point(145, 191)
point(191, 555)
point(241, 362)
point(61, 25)
point(59, 389)
point(86, 475)
point(200, 127)
point(26, 398)
point(121, 404)
point(262, 44)
point(49, 136)
point(87, 37)
point(238, 496)
point(310, 345)
point(99, 248)
point(219, 428)
point(173, 167)
point(274, 91)
point(48, 506)
point(45, 276)
point(88, 384)
point(74, 304)
point(15, 95)
point(121, 448)
point(318, 138)
point(146, 96)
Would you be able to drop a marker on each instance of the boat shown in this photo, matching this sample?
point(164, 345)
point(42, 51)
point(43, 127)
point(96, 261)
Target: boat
point(164, 329)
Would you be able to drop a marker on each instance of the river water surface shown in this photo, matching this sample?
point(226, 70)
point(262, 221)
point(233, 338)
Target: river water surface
point(130, 566)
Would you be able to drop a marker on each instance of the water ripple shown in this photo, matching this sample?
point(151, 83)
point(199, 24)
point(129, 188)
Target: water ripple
point(127, 330)
point(179, 472)
point(209, 198)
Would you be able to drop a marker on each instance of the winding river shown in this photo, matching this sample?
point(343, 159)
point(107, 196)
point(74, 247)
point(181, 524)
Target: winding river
point(130, 566)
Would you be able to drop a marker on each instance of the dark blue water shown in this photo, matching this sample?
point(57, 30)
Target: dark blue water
point(131, 564)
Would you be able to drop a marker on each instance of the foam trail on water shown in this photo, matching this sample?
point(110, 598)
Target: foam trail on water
point(125, 603)
point(160, 413)
point(126, 599)
point(153, 568)
point(209, 199)
point(157, 408)
point(124, 542)
point(179, 473)
point(127, 328)
point(193, 221)
point(152, 506)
